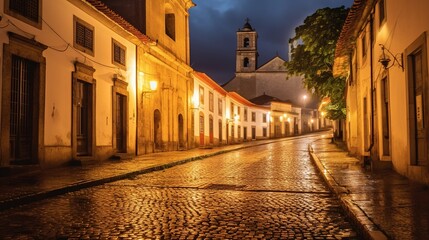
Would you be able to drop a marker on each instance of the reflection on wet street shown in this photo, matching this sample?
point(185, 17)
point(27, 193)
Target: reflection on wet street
point(395, 204)
point(270, 191)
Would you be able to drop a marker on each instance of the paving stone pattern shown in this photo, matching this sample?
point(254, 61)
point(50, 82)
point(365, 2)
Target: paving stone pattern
point(266, 192)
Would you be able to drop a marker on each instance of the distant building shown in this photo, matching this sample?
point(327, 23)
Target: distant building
point(272, 78)
point(222, 117)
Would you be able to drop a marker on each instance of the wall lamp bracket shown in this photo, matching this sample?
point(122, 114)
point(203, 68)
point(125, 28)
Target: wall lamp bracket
point(386, 61)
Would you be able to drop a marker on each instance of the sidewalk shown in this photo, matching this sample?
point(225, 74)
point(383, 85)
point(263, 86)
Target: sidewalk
point(28, 187)
point(384, 204)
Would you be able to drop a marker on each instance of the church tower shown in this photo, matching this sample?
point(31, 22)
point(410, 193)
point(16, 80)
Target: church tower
point(247, 50)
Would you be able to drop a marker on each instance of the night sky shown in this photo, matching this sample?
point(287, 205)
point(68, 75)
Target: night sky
point(214, 23)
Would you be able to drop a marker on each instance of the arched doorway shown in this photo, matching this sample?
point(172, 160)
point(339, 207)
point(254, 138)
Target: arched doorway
point(157, 136)
point(181, 135)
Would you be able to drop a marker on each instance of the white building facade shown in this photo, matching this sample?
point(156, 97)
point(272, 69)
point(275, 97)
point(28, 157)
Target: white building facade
point(383, 52)
point(68, 83)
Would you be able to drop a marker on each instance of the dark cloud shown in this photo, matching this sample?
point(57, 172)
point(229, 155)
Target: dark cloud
point(213, 26)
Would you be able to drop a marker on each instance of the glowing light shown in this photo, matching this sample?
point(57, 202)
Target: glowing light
point(153, 84)
point(196, 99)
point(236, 117)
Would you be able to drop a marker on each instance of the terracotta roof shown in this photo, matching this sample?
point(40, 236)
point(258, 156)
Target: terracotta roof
point(237, 97)
point(347, 35)
point(100, 6)
point(206, 79)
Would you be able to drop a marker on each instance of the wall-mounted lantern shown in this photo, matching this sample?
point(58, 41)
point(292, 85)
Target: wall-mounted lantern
point(385, 58)
point(153, 85)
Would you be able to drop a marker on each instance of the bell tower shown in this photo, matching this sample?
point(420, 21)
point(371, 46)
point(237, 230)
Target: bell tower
point(247, 49)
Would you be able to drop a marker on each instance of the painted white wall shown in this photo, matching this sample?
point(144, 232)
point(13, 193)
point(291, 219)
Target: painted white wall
point(404, 23)
point(57, 33)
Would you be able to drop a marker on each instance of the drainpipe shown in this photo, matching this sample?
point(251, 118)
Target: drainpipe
point(137, 103)
point(371, 50)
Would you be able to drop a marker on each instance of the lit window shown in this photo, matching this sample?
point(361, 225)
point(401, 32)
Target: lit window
point(201, 95)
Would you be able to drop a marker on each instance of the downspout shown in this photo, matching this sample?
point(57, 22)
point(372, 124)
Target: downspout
point(137, 102)
point(371, 34)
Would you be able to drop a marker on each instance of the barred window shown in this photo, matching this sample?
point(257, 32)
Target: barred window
point(119, 53)
point(84, 36)
point(26, 10)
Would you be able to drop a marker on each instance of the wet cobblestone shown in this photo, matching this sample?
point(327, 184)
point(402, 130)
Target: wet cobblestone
point(267, 192)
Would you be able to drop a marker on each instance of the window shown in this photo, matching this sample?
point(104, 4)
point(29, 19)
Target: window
point(239, 112)
point(211, 102)
point(232, 110)
point(385, 114)
point(28, 11)
point(246, 42)
point(253, 117)
point(201, 95)
point(264, 117)
point(219, 107)
point(245, 114)
point(264, 132)
point(170, 25)
point(118, 54)
point(363, 46)
point(381, 11)
point(83, 36)
point(246, 62)
point(239, 132)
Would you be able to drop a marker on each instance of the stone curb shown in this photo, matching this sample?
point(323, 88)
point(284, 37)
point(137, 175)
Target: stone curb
point(366, 227)
point(29, 198)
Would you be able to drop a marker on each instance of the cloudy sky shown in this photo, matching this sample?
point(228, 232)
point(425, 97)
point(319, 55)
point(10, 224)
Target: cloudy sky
point(214, 23)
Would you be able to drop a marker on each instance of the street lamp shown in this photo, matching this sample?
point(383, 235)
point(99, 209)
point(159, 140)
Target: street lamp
point(305, 99)
point(153, 84)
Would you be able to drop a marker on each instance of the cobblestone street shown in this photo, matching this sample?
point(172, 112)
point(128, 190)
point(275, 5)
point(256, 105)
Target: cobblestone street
point(271, 191)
